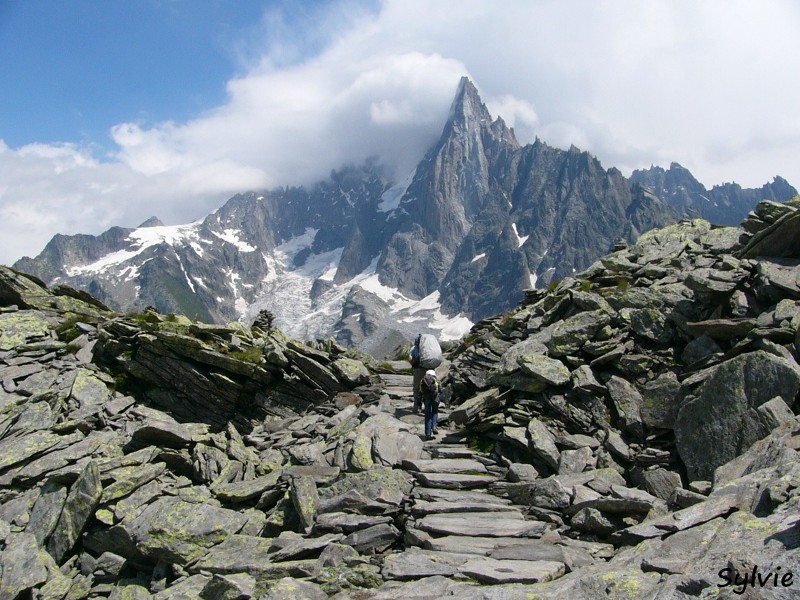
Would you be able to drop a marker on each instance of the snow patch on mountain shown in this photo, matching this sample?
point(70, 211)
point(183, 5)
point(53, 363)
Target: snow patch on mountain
point(140, 239)
point(232, 237)
point(287, 293)
point(390, 200)
point(286, 290)
point(429, 311)
point(520, 239)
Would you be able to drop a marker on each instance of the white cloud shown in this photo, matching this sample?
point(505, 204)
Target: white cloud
point(712, 85)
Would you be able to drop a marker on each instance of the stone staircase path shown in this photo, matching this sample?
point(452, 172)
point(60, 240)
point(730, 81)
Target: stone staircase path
point(459, 523)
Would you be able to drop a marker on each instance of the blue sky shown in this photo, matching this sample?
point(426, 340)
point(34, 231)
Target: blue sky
point(113, 111)
point(81, 66)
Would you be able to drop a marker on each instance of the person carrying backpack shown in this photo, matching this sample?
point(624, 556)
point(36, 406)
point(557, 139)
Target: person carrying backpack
point(425, 354)
point(417, 372)
point(429, 389)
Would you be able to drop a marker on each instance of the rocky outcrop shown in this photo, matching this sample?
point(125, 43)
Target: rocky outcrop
point(628, 433)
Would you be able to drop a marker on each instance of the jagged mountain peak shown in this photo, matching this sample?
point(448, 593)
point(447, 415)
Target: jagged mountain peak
point(467, 103)
point(468, 113)
point(152, 222)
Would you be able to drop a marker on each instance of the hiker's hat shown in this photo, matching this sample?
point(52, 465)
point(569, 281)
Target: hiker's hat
point(430, 372)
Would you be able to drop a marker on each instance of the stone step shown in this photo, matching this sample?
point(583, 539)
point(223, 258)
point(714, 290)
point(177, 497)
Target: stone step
point(485, 524)
point(424, 507)
point(397, 380)
point(446, 465)
point(399, 393)
point(455, 496)
point(416, 564)
point(453, 451)
point(454, 481)
point(493, 571)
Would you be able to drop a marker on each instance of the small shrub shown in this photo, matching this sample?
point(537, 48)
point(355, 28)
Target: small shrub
point(67, 330)
point(482, 444)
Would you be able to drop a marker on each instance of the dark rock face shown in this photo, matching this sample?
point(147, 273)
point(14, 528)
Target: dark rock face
point(726, 204)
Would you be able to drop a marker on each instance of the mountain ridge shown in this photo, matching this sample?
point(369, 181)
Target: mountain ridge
point(480, 220)
point(607, 437)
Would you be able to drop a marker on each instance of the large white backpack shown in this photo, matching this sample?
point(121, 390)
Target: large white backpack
point(430, 354)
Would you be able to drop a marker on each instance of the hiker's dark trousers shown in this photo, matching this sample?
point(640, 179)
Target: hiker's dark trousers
point(431, 415)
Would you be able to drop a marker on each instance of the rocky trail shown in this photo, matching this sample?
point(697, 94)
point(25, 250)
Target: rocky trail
point(462, 523)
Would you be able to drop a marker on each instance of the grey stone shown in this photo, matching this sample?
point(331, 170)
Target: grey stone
point(542, 444)
point(237, 553)
point(299, 547)
point(16, 450)
point(576, 461)
point(544, 493)
point(446, 465)
point(659, 406)
point(236, 586)
point(305, 499)
point(482, 524)
point(347, 522)
point(570, 334)
point(381, 485)
point(46, 511)
point(374, 539)
point(549, 370)
point(591, 520)
point(628, 403)
point(80, 504)
point(700, 349)
point(720, 420)
point(662, 483)
point(22, 565)
point(518, 472)
point(493, 571)
point(290, 588)
point(424, 507)
point(179, 532)
point(776, 413)
point(454, 481)
point(416, 564)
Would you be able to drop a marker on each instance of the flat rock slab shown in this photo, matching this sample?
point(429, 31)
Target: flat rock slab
point(415, 564)
point(468, 544)
point(454, 481)
point(304, 547)
point(446, 506)
point(391, 380)
point(453, 452)
point(446, 465)
point(469, 496)
point(482, 525)
point(493, 571)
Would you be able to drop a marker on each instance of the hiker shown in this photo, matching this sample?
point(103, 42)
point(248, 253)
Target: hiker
point(425, 354)
point(429, 389)
point(417, 371)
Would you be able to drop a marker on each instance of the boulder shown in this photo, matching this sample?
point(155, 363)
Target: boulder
point(720, 419)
